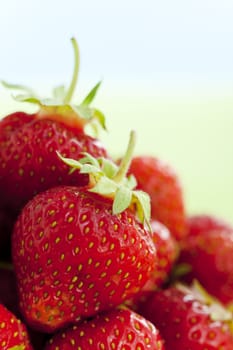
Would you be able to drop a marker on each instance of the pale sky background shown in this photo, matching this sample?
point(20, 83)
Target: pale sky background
point(167, 70)
point(147, 40)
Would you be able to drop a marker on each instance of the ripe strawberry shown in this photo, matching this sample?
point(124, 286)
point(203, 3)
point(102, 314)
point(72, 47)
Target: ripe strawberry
point(162, 184)
point(185, 322)
point(13, 334)
point(115, 329)
point(29, 163)
point(167, 253)
point(209, 255)
point(77, 251)
point(201, 223)
point(28, 144)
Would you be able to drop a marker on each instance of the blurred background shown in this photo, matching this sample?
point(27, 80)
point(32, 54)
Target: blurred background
point(166, 69)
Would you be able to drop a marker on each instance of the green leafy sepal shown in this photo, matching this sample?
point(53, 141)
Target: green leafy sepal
point(102, 180)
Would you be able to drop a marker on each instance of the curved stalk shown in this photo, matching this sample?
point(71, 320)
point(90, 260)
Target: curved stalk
point(74, 80)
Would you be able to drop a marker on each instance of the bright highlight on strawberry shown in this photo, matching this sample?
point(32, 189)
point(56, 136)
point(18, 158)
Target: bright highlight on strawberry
point(97, 254)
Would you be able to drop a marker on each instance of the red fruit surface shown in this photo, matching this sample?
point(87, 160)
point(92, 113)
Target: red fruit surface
point(162, 184)
point(185, 322)
point(167, 253)
point(28, 160)
point(12, 331)
point(73, 258)
point(116, 329)
point(201, 223)
point(209, 255)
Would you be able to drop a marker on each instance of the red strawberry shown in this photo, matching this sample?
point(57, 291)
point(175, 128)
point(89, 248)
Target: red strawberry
point(13, 334)
point(162, 184)
point(209, 255)
point(167, 252)
point(201, 223)
point(116, 329)
point(28, 144)
point(185, 322)
point(29, 163)
point(77, 252)
point(9, 298)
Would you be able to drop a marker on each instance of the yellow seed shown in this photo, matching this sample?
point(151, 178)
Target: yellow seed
point(54, 224)
point(70, 236)
point(74, 279)
point(84, 217)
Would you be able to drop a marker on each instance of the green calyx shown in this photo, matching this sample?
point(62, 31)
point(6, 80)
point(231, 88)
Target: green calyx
point(218, 311)
point(110, 180)
point(61, 100)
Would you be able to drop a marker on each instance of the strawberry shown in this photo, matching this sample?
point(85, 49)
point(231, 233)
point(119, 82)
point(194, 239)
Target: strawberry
point(185, 322)
point(13, 334)
point(167, 253)
point(9, 298)
point(162, 184)
point(208, 253)
point(79, 251)
point(115, 329)
point(28, 144)
point(201, 223)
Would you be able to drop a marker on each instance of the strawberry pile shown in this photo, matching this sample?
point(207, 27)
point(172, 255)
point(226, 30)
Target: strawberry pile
point(97, 253)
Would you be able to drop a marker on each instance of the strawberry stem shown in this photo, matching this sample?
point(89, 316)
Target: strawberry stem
point(126, 160)
point(74, 80)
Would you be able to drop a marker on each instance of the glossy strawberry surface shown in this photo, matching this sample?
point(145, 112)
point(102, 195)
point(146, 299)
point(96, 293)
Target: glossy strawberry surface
point(73, 258)
point(29, 163)
point(209, 256)
point(116, 329)
point(162, 184)
point(185, 322)
point(167, 253)
point(12, 332)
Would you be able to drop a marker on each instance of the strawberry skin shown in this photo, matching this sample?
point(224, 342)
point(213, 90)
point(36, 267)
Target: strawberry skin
point(167, 253)
point(201, 223)
point(116, 329)
point(209, 254)
point(162, 184)
point(73, 258)
point(185, 322)
point(12, 332)
point(28, 160)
